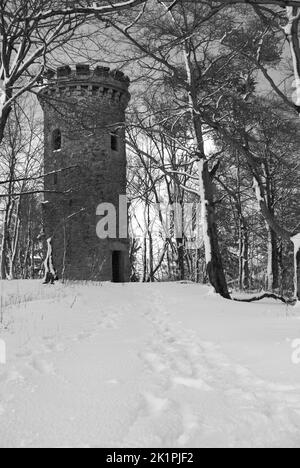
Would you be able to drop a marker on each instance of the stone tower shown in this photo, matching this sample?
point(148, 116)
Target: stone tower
point(85, 159)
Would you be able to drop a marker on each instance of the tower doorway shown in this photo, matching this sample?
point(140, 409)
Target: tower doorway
point(118, 267)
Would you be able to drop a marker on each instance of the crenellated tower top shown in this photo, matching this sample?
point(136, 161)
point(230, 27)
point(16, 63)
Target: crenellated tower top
point(83, 81)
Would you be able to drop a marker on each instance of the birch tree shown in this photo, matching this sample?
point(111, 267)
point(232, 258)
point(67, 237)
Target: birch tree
point(21, 167)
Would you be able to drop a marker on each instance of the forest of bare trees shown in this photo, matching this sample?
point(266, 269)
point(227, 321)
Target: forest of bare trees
point(213, 125)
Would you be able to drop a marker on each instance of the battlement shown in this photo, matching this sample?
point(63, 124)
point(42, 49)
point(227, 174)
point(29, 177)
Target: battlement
point(82, 80)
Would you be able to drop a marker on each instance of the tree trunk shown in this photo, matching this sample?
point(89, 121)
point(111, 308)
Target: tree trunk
point(296, 242)
point(50, 271)
point(244, 276)
point(64, 253)
point(3, 253)
point(297, 286)
point(145, 260)
point(4, 115)
point(270, 218)
point(13, 253)
point(32, 260)
point(151, 260)
point(210, 234)
point(199, 276)
point(273, 261)
point(180, 259)
point(14, 241)
point(189, 265)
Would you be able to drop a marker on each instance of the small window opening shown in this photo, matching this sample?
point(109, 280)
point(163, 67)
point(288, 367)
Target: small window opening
point(56, 140)
point(55, 179)
point(114, 141)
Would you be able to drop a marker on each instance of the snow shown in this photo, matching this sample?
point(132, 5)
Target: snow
point(2, 95)
point(296, 242)
point(257, 190)
point(146, 365)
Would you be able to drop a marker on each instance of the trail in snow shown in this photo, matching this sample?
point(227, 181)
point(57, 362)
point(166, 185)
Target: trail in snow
point(147, 366)
point(218, 402)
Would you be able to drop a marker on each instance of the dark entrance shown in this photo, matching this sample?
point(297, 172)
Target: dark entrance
point(118, 275)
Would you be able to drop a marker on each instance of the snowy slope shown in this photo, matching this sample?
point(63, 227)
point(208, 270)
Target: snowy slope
point(163, 365)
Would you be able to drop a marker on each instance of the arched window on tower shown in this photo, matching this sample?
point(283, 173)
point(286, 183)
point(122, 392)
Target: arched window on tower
point(56, 140)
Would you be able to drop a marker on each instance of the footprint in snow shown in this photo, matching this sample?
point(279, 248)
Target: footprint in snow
point(276, 387)
point(239, 393)
point(196, 384)
point(209, 346)
point(49, 338)
point(24, 354)
point(56, 347)
point(242, 371)
point(43, 367)
point(11, 376)
point(155, 362)
point(108, 325)
point(155, 405)
point(190, 425)
point(82, 336)
point(2, 410)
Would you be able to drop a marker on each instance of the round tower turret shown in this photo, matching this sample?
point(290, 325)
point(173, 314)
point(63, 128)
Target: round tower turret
point(85, 166)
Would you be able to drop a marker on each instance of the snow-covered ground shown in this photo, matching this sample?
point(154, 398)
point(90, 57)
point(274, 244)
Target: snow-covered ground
point(158, 365)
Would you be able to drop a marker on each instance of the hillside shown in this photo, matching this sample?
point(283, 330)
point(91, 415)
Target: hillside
point(157, 365)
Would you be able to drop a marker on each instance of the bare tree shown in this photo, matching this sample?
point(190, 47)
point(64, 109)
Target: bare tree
point(21, 166)
point(31, 31)
point(183, 56)
point(180, 42)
